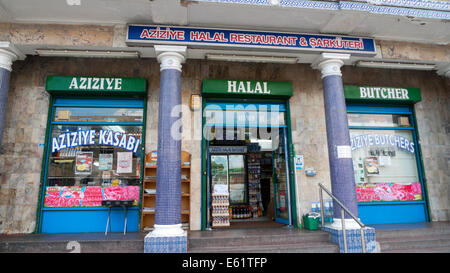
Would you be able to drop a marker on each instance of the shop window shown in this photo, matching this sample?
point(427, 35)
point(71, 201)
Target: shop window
point(384, 160)
point(245, 114)
point(94, 155)
point(85, 114)
point(379, 120)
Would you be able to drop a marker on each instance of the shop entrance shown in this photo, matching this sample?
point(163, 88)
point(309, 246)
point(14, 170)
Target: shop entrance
point(247, 165)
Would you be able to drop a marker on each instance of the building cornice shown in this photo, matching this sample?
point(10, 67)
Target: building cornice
point(411, 8)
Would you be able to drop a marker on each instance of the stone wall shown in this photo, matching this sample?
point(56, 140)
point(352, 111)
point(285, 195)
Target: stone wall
point(22, 147)
point(26, 121)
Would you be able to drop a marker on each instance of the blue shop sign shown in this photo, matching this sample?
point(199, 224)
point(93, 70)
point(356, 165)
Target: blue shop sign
point(154, 34)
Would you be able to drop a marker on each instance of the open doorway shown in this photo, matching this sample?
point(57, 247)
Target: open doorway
point(248, 176)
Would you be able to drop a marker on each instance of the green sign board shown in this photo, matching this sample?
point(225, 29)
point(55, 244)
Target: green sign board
point(245, 89)
point(96, 85)
point(382, 94)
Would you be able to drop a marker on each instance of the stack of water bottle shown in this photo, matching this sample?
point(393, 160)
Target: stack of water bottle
point(327, 213)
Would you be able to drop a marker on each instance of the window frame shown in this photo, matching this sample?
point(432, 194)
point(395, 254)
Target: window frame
point(83, 102)
point(393, 110)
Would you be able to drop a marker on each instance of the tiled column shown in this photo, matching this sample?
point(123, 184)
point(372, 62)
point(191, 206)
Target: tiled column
point(338, 137)
point(168, 236)
point(8, 54)
point(340, 157)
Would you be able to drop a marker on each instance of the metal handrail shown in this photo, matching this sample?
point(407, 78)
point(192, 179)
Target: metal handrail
point(343, 208)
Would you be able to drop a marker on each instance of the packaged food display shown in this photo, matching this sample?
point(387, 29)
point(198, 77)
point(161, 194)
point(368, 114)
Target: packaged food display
point(220, 210)
point(254, 185)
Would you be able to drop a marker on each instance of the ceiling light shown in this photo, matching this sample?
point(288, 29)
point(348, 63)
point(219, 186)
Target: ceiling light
point(275, 2)
point(86, 53)
point(73, 2)
point(414, 66)
point(251, 59)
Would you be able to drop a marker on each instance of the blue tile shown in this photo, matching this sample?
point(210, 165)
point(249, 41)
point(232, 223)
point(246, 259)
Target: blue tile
point(353, 239)
point(174, 244)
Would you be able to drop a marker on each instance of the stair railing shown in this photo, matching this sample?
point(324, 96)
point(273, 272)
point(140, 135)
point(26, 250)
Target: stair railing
point(343, 208)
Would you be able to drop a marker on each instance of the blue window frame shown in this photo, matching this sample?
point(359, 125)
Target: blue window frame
point(388, 173)
point(79, 175)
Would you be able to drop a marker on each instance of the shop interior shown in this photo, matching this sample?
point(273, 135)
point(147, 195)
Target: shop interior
point(247, 174)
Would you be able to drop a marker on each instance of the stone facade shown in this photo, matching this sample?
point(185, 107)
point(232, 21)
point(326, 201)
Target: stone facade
point(28, 102)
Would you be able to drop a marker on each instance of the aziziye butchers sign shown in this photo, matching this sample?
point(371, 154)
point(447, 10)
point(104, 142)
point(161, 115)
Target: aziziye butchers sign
point(212, 87)
point(153, 34)
point(72, 84)
point(382, 93)
point(367, 140)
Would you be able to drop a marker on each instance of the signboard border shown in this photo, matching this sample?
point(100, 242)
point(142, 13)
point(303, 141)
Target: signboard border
point(237, 46)
point(348, 88)
point(55, 87)
point(209, 89)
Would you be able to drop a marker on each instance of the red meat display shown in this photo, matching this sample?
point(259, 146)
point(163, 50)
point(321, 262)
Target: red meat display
point(388, 192)
point(90, 196)
point(114, 193)
point(121, 193)
point(93, 196)
point(63, 197)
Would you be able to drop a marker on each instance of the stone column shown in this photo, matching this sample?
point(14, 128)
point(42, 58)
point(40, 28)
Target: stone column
point(8, 54)
point(338, 137)
point(340, 156)
point(168, 236)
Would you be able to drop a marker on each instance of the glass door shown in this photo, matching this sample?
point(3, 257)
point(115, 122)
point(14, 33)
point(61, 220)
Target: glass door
point(281, 178)
point(238, 188)
point(219, 170)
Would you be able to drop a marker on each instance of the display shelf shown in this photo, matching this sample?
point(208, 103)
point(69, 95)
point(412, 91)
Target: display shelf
point(220, 210)
point(185, 189)
point(148, 212)
point(254, 184)
point(222, 224)
point(218, 205)
point(149, 199)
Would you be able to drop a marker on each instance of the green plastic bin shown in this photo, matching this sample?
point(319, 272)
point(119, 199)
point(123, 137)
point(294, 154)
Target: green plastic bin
point(310, 223)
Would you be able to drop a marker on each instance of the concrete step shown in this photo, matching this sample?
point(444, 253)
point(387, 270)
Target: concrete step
point(415, 238)
point(66, 243)
point(443, 249)
point(417, 243)
point(66, 247)
point(318, 247)
point(381, 234)
point(259, 240)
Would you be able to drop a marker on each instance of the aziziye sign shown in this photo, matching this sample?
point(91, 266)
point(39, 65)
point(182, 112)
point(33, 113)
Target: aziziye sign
point(382, 94)
point(154, 34)
point(247, 89)
point(95, 85)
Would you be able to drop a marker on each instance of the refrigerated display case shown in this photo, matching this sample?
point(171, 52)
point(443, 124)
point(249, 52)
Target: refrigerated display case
point(237, 173)
point(219, 170)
